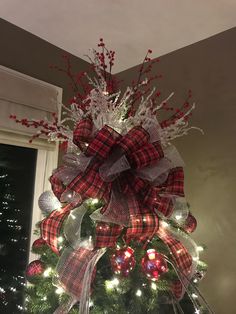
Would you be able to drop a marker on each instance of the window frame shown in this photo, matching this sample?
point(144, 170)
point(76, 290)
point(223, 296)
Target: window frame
point(47, 158)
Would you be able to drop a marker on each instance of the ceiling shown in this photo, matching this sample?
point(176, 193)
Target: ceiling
point(128, 26)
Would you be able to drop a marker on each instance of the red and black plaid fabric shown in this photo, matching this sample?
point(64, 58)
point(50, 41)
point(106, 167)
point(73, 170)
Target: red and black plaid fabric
point(51, 227)
point(102, 143)
point(159, 203)
point(146, 155)
point(177, 288)
point(190, 223)
point(57, 186)
point(174, 184)
point(89, 184)
point(83, 131)
point(133, 140)
point(107, 234)
point(143, 227)
point(71, 274)
point(137, 184)
point(181, 257)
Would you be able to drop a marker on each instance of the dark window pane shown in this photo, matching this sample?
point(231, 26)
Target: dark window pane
point(17, 174)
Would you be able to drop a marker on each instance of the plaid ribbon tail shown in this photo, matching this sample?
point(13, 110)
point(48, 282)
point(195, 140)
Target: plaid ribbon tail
point(182, 260)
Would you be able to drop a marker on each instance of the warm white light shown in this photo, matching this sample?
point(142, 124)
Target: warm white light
point(90, 303)
point(153, 286)
point(194, 295)
point(72, 216)
point(127, 254)
point(111, 284)
point(44, 298)
point(151, 254)
point(164, 224)
point(59, 290)
point(138, 293)
point(60, 239)
point(115, 282)
point(200, 248)
point(178, 217)
point(47, 272)
point(94, 201)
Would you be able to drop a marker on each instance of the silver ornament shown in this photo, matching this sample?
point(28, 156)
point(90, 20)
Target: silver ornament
point(48, 202)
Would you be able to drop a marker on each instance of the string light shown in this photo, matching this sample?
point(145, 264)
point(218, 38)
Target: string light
point(94, 201)
point(164, 224)
point(60, 239)
point(153, 286)
point(194, 295)
point(111, 284)
point(200, 248)
point(138, 293)
point(59, 290)
point(47, 272)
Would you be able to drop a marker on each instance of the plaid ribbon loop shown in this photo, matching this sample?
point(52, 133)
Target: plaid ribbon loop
point(143, 227)
point(102, 143)
point(83, 131)
point(146, 156)
point(51, 227)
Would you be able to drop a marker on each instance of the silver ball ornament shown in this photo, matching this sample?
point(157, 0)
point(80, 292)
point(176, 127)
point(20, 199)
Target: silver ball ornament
point(48, 202)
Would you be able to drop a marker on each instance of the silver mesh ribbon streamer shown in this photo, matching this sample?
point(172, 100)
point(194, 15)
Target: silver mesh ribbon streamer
point(116, 211)
point(85, 295)
point(65, 307)
point(72, 227)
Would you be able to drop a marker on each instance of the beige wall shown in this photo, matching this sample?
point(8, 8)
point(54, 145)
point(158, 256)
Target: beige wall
point(209, 69)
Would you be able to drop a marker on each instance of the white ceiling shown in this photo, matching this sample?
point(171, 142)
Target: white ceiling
point(128, 26)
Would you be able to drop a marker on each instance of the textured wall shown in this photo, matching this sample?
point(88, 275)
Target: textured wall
point(209, 68)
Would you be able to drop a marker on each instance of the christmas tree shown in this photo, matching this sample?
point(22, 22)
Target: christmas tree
point(116, 232)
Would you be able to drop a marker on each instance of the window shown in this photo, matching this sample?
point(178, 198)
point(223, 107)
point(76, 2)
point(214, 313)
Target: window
point(30, 164)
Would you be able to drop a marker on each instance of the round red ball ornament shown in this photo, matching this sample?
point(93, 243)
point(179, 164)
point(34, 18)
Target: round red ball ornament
point(39, 243)
point(123, 261)
point(190, 224)
point(34, 269)
point(154, 264)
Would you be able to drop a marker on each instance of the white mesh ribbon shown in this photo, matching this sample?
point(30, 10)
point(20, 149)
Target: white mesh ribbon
point(110, 170)
point(80, 162)
point(75, 271)
point(180, 211)
point(65, 307)
point(85, 294)
point(116, 211)
point(189, 245)
point(152, 126)
point(72, 227)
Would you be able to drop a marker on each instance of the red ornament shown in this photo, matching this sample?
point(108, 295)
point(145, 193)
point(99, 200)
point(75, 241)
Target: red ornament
point(34, 269)
point(123, 261)
point(153, 265)
point(39, 243)
point(190, 223)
